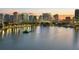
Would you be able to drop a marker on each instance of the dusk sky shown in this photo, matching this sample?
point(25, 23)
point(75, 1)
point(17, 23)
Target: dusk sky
point(37, 11)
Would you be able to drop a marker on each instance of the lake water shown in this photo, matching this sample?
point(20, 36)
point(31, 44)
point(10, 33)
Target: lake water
point(41, 38)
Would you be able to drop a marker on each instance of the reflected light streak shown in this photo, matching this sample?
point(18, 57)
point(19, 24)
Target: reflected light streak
point(3, 33)
point(38, 30)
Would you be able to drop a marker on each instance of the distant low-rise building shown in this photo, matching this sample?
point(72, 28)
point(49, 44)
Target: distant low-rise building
point(68, 18)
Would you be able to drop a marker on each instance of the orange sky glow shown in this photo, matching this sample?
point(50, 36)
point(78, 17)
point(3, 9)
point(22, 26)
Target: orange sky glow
point(63, 12)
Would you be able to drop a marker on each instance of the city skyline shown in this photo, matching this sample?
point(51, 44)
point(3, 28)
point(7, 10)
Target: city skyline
point(63, 12)
point(28, 31)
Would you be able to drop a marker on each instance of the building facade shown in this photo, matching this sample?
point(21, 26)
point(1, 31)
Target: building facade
point(32, 19)
point(77, 14)
point(46, 16)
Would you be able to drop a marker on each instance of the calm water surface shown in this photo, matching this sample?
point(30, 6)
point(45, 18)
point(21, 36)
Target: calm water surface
point(42, 38)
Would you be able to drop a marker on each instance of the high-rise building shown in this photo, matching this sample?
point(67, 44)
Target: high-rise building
point(1, 20)
point(12, 18)
point(24, 17)
point(7, 18)
point(40, 18)
point(56, 17)
point(15, 17)
point(1, 17)
point(46, 16)
point(32, 18)
point(77, 14)
point(20, 18)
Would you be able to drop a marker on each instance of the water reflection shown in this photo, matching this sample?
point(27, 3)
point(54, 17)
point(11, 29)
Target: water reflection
point(39, 38)
point(75, 39)
point(2, 34)
point(15, 33)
